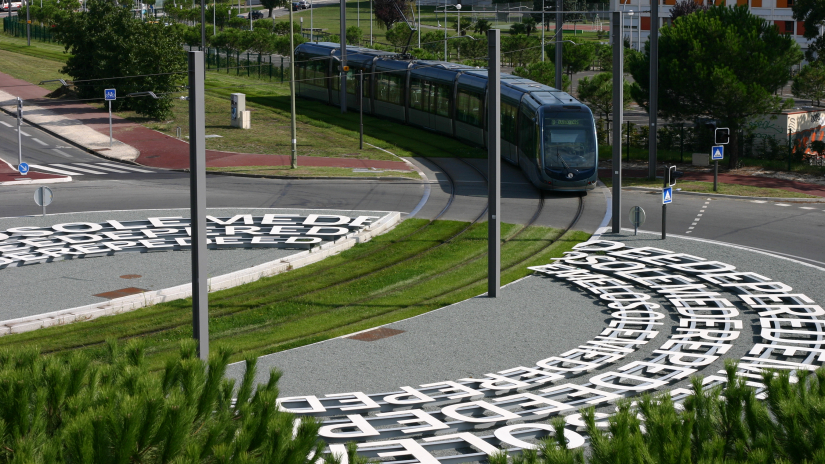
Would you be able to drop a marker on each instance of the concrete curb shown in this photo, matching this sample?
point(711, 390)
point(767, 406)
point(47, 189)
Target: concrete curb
point(79, 135)
point(737, 197)
point(233, 279)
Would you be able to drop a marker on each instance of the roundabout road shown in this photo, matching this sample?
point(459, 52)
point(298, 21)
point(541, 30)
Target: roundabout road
point(782, 227)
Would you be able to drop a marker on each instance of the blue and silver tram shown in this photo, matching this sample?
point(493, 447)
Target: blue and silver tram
point(546, 132)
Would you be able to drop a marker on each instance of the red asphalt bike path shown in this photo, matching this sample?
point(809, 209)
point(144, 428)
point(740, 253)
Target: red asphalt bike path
point(162, 151)
point(753, 181)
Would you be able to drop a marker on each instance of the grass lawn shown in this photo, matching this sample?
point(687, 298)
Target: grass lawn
point(411, 270)
point(313, 171)
point(707, 187)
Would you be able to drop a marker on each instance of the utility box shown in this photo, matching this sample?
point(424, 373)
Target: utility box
point(240, 117)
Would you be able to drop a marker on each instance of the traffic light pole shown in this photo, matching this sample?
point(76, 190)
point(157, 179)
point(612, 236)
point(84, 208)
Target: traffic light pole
point(654, 88)
point(618, 114)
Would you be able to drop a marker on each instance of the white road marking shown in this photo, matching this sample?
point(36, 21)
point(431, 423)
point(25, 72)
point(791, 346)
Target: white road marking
point(59, 171)
point(782, 204)
point(128, 168)
point(806, 207)
point(100, 166)
point(39, 141)
point(6, 124)
point(73, 167)
point(27, 135)
point(759, 201)
point(61, 152)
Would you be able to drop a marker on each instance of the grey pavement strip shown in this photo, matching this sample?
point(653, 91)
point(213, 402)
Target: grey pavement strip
point(45, 290)
point(534, 318)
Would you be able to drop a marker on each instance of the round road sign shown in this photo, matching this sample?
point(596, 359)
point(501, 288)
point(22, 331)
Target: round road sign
point(23, 168)
point(637, 216)
point(43, 196)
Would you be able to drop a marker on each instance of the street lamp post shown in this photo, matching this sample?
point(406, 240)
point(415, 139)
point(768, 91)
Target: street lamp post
point(311, 25)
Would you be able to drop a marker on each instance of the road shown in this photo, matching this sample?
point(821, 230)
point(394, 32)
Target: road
point(785, 227)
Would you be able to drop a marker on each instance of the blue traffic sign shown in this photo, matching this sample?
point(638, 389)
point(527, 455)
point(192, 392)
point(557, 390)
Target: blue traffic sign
point(717, 153)
point(23, 168)
point(110, 94)
point(667, 195)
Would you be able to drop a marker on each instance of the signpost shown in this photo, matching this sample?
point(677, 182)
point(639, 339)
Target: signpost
point(43, 196)
point(110, 94)
point(667, 195)
point(717, 153)
point(23, 168)
point(637, 218)
point(19, 134)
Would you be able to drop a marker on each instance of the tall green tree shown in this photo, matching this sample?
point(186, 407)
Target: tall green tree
point(575, 57)
point(272, 4)
point(810, 83)
point(107, 44)
point(543, 72)
point(812, 14)
point(723, 63)
point(597, 92)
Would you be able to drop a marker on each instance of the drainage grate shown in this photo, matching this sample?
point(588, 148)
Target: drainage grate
point(376, 334)
point(131, 276)
point(120, 293)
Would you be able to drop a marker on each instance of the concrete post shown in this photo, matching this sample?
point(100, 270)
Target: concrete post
point(197, 203)
point(618, 114)
point(493, 163)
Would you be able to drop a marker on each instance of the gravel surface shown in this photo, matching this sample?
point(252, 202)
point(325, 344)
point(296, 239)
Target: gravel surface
point(41, 288)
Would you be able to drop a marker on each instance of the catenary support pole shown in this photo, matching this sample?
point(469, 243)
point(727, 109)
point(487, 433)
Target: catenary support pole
point(28, 23)
point(493, 163)
point(197, 203)
point(618, 115)
point(293, 129)
point(203, 26)
point(343, 41)
point(654, 87)
point(559, 34)
point(543, 29)
point(361, 108)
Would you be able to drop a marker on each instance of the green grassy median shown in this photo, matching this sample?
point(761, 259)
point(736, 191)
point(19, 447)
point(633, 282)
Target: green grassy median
point(410, 270)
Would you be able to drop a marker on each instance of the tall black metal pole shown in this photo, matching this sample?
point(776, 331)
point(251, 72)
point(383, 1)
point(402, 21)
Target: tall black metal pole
point(618, 115)
point(654, 87)
point(293, 125)
point(361, 108)
point(559, 34)
point(203, 25)
point(197, 203)
point(493, 163)
point(343, 56)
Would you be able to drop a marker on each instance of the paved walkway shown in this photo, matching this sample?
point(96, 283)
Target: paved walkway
point(753, 181)
point(160, 150)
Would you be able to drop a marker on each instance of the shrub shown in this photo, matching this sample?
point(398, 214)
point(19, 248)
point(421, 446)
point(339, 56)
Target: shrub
point(71, 410)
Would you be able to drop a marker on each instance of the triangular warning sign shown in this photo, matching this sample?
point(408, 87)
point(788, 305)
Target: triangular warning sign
point(667, 195)
point(717, 152)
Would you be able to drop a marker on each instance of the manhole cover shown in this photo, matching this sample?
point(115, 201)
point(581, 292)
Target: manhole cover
point(120, 293)
point(376, 334)
point(131, 276)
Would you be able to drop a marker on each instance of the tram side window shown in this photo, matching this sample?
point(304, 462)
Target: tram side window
point(313, 73)
point(508, 123)
point(389, 88)
point(526, 135)
point(443, 96)
point(430, 97)
point(468, 108)
point(417, 94)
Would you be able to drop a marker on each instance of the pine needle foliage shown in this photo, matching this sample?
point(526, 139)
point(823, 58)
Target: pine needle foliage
point(114, 411)
point(783, 425)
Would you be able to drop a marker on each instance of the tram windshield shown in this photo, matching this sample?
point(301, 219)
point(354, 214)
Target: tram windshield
point(569, 141)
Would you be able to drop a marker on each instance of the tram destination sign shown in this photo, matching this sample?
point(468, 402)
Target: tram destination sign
point(31, 245)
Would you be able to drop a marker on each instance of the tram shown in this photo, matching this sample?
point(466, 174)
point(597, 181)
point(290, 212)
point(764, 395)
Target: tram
point(549, 134)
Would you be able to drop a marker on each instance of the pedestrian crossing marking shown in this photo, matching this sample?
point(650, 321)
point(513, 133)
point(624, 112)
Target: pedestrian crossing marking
point(79, 169)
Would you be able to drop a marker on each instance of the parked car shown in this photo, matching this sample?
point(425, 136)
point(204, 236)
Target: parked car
point(257, 14)
point(14, 6)
point(300, 5)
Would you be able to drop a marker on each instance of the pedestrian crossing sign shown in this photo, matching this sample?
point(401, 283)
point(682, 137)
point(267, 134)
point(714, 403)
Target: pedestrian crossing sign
point(718, 152)
point(667, 195)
